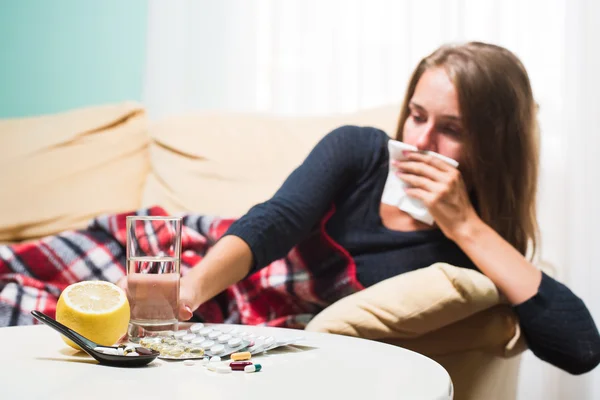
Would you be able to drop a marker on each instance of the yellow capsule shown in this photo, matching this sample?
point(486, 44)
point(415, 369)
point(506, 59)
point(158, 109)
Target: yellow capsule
point(245, 355)
point(196, 351)
point(176, 351)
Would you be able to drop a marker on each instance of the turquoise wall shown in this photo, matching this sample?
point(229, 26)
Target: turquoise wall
point(61, 54)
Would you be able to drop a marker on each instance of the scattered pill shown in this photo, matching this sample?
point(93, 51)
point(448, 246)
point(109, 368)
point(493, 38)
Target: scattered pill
point(239, 365)
point(120, 351)
point(252, 368)
point(223, 369)
point(204, 361)
point(215, 359)
point(188, 362)
point(212, 366)
point(132, 354)
point(241, 356)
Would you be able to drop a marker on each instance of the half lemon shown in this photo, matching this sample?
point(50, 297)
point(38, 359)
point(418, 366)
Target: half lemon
point(97, 310)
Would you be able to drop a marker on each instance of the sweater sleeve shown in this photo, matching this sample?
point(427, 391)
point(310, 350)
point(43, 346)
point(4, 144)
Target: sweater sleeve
point(559, 329)
point(272, 228)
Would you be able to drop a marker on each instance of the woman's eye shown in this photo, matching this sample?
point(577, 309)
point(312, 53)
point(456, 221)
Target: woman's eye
point(418, 118)
point(451, 130)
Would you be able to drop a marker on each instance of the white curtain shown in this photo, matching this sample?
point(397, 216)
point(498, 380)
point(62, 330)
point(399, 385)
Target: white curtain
point(323, 56)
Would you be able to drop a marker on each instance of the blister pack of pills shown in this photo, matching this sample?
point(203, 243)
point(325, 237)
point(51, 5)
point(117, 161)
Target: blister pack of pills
point(201, 341)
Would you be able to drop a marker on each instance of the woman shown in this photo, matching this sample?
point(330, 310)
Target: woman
point(472, 103)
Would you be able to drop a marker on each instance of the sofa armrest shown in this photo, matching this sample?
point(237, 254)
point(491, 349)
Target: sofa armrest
point(441, 309)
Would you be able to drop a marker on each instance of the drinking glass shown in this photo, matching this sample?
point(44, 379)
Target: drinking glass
point(153, 258)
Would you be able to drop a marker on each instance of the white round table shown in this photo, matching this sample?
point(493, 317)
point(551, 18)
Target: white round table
point(37, 364)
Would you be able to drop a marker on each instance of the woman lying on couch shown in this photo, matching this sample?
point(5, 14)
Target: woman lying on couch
point(472, 103)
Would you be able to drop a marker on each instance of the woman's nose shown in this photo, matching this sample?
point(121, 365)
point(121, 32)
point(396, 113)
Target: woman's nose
point(425, 140)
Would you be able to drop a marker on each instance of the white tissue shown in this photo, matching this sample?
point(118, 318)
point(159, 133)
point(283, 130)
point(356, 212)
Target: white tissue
point(394, 192)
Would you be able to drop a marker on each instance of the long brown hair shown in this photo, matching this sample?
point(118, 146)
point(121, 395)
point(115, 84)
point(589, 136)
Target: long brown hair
point(501, 134)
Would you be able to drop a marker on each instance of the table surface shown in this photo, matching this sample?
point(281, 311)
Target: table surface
point(37, 364)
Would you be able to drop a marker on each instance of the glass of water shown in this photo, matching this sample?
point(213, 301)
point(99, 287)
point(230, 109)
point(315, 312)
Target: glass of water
point(153, 257)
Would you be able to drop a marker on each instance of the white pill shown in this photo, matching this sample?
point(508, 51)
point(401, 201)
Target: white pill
point(205, 361)
point(214, 334)
point(217, 349)
point(223, 369)
point(188, 362)
point(129, 348)
point(197, 340)
point(256, 348)
point(235, 342)
point(107, 350)
point(196, 327)
point(179, 334)
point(188, 337)
point(206, 344)
point(215, 359)
point(120, 351)
point(224, 338)
point(212, 367)
point(205, 331)
point(269, 341)
point(234, 331)
point(132, 354)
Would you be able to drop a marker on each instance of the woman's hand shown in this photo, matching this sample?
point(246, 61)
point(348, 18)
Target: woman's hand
point(441, 188)
point(186, 298)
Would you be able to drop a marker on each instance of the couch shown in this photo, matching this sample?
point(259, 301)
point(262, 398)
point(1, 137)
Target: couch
point(59, 171)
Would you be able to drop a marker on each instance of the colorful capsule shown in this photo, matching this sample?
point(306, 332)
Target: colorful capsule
point(245, 355)
point(252, 368)
point(239, 365)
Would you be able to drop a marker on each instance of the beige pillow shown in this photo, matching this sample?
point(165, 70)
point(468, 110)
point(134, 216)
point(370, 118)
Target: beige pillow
point(437, 310)
point(224, 163)
point(59, 171)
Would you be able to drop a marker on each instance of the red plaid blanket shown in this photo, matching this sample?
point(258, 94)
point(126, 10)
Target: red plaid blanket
point(288, 292)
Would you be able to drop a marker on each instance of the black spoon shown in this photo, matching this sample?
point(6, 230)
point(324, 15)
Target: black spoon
point(88, 346)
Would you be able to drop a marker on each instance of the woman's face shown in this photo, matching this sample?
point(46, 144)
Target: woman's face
point(434, 122)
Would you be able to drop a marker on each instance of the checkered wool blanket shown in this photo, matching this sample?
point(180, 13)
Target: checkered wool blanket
point(287, 293)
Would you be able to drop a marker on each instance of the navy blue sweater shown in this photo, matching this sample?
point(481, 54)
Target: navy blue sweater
point(349, 168)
